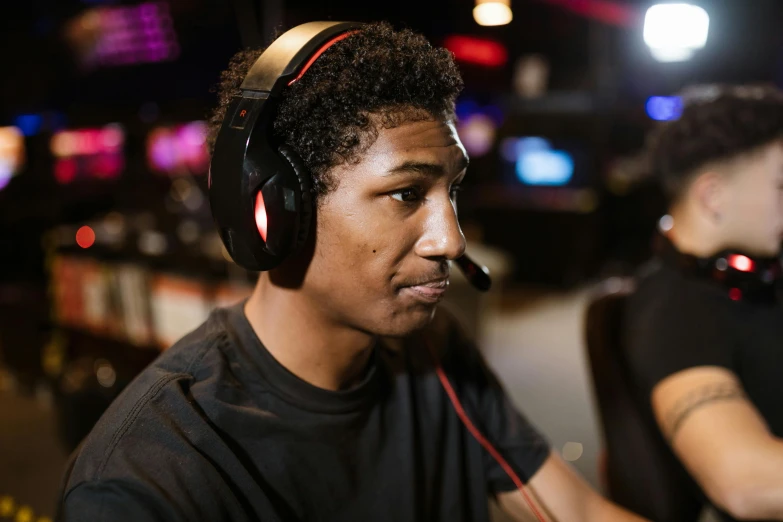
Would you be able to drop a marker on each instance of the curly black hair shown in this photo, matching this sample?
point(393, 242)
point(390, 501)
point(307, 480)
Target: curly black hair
point(375, 78)
point(727, 123)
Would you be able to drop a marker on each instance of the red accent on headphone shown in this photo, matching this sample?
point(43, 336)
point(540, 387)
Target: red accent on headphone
point(319, 52)
point(261, 218)
point(741, 263)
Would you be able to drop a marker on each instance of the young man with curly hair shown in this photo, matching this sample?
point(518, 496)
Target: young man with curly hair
point(317, 398)
point(709, 361)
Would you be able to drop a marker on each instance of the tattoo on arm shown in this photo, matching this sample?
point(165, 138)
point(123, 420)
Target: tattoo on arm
point(696, 399)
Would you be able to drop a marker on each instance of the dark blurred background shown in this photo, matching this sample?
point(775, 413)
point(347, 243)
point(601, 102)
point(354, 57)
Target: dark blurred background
point(107, 245)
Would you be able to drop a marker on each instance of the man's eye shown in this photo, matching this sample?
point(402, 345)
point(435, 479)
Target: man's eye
point(407, 195)
point(455, 190)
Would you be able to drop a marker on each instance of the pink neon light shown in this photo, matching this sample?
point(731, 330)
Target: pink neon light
point(179, 149)
point(91, 152)
point(142, 33)
point(606, 11)
point(261, 217)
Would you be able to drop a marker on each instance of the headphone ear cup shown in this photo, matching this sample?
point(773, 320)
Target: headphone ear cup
point(305, 190)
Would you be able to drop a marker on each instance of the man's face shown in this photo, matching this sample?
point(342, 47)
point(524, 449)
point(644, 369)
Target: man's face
point(385, 233)
point(754, 203)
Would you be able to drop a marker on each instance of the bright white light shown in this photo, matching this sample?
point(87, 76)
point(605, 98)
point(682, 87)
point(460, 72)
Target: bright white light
point(674, 31)
point(105, 373)
point(496, 12)
point(11, 153)
point(6, 172)
point(674, 54)
point(572, 451)
point(666, 223)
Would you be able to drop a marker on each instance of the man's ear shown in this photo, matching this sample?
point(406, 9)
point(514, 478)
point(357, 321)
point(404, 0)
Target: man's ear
point(710, 191)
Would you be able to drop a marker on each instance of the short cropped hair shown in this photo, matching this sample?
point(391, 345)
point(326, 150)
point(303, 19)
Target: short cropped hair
point(729, 122)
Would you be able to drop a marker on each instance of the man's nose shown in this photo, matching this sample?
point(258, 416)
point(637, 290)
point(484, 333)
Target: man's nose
point(442, 236)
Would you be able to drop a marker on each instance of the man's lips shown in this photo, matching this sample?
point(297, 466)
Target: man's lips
point(429, 291)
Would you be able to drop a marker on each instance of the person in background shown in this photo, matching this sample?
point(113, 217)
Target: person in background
point(317, 398)
point(708, 357)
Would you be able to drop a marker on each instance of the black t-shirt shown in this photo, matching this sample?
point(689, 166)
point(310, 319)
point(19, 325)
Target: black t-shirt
point(677, 320)
point(216, 429)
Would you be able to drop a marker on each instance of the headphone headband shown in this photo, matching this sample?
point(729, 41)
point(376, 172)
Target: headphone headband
point(280, 62)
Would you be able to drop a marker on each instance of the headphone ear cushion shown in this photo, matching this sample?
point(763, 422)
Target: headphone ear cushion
point(305, 190)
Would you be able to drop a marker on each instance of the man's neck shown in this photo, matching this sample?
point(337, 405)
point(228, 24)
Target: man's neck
point(305, 340)
point(690, 237)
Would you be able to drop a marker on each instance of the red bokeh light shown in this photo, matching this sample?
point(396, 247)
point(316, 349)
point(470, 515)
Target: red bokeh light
point(606, 11)
point(65, 170)
point(85, 237)
point(741, 263)
point(479, 51)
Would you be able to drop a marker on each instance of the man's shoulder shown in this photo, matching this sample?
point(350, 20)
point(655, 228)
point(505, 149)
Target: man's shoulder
point(656, 280)
point(149, 414)
point(673, 322)
point(666, 297)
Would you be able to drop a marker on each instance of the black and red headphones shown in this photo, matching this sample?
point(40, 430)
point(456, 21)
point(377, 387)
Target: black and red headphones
point(260, 190)
point(743, 277)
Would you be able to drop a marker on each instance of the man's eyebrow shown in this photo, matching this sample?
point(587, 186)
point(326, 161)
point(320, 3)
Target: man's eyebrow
point(422, 167)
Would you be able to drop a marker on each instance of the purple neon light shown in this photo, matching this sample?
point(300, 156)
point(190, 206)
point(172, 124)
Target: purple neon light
point(135, 34)
point(179, 149)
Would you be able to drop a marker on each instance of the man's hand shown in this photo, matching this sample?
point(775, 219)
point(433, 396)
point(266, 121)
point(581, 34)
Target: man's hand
point(722, 440)
point(561, 495)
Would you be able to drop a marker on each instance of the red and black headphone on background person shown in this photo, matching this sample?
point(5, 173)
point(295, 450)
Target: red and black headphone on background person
point(260, 191)
point(743, 277)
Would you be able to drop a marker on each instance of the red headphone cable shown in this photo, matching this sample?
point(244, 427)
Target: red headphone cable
point(455, 402)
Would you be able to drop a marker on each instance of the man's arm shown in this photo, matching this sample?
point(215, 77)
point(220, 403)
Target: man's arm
point(562, 495)
point(114, 501)
point(722, 440)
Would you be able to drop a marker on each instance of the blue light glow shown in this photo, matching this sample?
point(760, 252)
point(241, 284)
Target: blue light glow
point(537, 163)
point(466, 108)
point(29, 124)
point(664, 108)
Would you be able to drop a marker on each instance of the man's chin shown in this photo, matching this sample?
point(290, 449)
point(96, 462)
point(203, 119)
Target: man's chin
point(408, 322)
